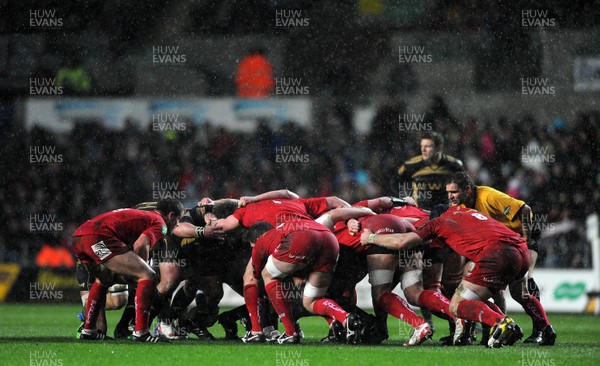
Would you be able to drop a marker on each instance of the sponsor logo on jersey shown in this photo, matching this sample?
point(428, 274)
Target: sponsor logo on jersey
point(101, 250)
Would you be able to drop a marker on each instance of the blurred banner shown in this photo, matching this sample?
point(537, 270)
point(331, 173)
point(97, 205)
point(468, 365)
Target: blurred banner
point(9, 272)
point(61, 114)
point(45, 285)
point(586, 74)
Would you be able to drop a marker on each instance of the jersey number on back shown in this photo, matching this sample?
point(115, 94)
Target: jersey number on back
point(479, 216)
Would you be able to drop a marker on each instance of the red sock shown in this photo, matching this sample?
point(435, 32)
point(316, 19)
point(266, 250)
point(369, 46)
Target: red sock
point(278, 300)
point(253, 302)
point(535, 310)
point(494, 307)
point(95, 303)
point(476, 310)
point(143, 301)
point(330, 309)
point(435, 301)
point(399, 308)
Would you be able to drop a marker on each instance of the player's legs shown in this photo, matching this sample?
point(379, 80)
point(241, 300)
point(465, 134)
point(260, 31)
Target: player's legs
point(253, 300)
point(314, 301)
point(452, 273)
point(116, 297)
point(412, 267)
point(204, 315)
point(274, 272)
point(169, 277)
point(130, 264)
point(170, 274)
point(467, 303)
point(381, 274)
point(542, 330)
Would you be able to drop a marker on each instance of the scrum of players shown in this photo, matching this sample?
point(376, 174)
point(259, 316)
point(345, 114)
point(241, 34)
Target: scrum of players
point(291, 257)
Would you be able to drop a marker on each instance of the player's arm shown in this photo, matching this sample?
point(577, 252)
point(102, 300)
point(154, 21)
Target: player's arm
point(226, 224)
point(343, 214)
point(282, 194)
point(189, 230)
point(142, 247)
point(335, 202)
point(391, 241)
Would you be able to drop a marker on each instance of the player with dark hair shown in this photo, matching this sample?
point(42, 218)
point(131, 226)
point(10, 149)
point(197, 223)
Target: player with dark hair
point(427, 172)
point(517, 216)
point(423, 177)
point(500, 256)
point(118, 243)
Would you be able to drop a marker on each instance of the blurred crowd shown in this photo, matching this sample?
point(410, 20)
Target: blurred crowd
point(551, 165)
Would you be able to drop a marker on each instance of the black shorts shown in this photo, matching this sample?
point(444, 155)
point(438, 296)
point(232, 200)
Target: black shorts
point(433, 255)
point(227, 258)
point(84, 278)
point(351, 266)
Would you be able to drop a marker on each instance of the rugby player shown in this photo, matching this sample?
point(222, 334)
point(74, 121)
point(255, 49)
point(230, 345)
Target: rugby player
point(427, 172)
point(118, 243)
point(516, 215)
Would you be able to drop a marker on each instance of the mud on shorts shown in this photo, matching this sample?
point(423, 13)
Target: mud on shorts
point(317, 249)
point(499, 265)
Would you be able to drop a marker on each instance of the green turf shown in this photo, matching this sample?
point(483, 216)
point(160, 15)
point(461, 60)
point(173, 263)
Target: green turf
point(43, 334)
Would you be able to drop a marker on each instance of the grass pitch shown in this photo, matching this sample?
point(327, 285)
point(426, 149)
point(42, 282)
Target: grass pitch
point(44, 334)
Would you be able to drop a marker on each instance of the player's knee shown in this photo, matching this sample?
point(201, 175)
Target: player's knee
point(249, 278)
point(308, 303)
point(412, 294)
point(412, 283)
point(117, 297)
point(518, 290)
point(381, 277)
point(310, 294)
point(116, 302)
